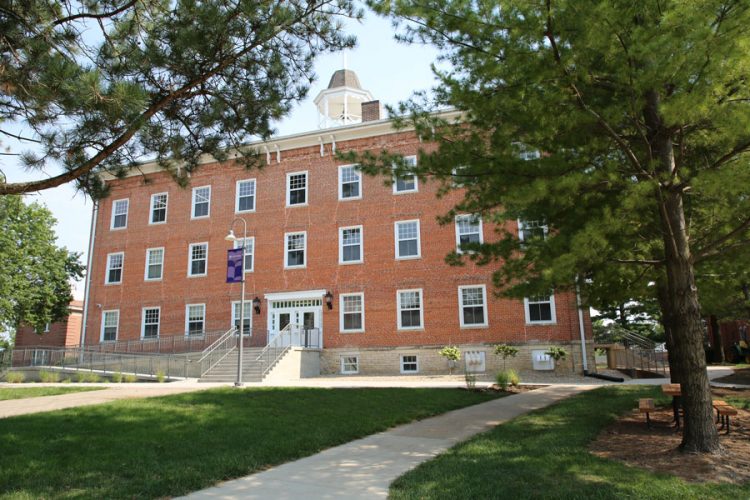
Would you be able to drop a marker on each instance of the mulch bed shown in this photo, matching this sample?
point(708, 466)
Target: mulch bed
point(630, 441)
point(740, 376)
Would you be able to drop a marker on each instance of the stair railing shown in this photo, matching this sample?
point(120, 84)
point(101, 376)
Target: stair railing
point(276, 348)
point(217, 351)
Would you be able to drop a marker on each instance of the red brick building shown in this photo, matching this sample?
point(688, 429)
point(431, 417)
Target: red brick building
point(64, 333)
point(316, 228)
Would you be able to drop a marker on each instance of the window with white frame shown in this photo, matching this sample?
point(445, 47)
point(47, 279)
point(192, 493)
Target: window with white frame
point(158, 208)
point(406, 183)
point(249, 252)
point(350, 245)
point(540, 309)
point(468, 231)
point(198, 259)
point(195, 319)
point(410, 310)
point(349, 364)
point(120, 214)
point(110, 323)
point(247, 317)
point(529, 230)
point(409, 363)
point(201, 202)
point(154, 264)
point(473, 305)
point(115, 263)
point(296, 248)
point(352, 307)
point(350, 182)
point(150, 322)
point(296, 189)
point(407, 239)
point(245, 200)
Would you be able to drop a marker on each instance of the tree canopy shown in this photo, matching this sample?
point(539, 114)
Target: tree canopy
point(91, 86)
point(35, 273)
point(616, 132)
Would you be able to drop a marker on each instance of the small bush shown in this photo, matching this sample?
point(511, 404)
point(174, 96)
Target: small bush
point(66, 380)
point(452, 354)
point(88, 377)
point(130, 378)
point(471, 380)
point(505, 351)
point(161, 376)
point(15, 377)
point(50, 377)
point(513, 378)
point(503, 379)
point(117, 378)
point(557, 353)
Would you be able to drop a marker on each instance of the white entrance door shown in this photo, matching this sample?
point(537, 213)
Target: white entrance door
point(305, 318)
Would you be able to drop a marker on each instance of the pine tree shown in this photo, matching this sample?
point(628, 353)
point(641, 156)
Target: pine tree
point(88, 87)
point(621, 129)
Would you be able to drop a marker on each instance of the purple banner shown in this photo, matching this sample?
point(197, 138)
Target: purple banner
point(234, 265)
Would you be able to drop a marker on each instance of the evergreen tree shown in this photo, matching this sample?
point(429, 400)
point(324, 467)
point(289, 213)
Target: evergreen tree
point(616, 131)
point(34, 272)
point(92, 86)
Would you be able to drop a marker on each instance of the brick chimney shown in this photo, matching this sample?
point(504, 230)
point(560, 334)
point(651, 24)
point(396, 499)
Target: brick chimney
point(370, 111)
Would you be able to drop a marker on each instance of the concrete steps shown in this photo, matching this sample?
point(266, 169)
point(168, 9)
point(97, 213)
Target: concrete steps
point(226, 370)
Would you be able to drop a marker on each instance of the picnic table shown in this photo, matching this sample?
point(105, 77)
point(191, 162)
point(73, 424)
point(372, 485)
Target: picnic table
point(674, 390)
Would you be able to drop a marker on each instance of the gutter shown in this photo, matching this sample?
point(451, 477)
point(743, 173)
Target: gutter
point(581, 330)
point(92, 234)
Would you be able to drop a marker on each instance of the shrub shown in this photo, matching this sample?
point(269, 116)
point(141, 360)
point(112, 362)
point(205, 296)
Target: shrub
point(503, 379)
point(117, 377)
point(130, 378)
point(46, 376)
point(513, 378)
point(557, 353)
point(161, 376)
point(66, 380)
point(88, 377)
point(506, 351)
point(452, 354)
point(15, 377)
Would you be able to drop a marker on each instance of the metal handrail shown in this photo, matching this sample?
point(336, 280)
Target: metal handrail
point(284, 341)
point(169, 344)
point(226, 342)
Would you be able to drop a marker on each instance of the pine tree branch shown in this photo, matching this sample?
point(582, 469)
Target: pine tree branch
point(738, 149)
point(712, 249)
point(91, 15)
point(644, 262)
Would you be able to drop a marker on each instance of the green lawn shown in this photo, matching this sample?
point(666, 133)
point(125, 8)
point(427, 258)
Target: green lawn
point(543, 455)
point(35, 392)
point(172, 445)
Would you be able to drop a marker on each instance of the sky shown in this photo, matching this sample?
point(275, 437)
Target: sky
point(391, 71)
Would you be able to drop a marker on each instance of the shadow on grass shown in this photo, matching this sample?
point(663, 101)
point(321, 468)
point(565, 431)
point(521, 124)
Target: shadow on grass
point(172, 445)
point(544, 455)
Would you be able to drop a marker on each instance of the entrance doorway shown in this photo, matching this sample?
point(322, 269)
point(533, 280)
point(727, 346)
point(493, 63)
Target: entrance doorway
point(301, 317)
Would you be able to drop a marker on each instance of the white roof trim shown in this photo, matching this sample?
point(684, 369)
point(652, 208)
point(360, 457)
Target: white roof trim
point(305, 139)
point(308, 294)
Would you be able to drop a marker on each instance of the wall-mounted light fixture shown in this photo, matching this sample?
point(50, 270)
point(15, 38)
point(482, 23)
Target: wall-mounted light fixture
point(329, 300)
point(256, 305)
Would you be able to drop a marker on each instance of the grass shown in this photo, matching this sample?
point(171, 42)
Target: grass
point(35, 392)
point(167, 446)
point(543, 455)
point(738, 402)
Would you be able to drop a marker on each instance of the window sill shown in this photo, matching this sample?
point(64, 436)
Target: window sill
point(113, 283)
point(202, 217)
point(351, 198)
point(245, 211)
point(411, 191)
point(157, 223)
point(292, 268)
point(352, 262)
point(541, 323)
point(118, 228)
point(347, 332)
point(410, 329)
point(474, 327)
point(413, 257)
point(197, 275)
point(151, 280)
point(298, 205)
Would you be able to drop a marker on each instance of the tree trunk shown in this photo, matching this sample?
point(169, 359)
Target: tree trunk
point(682, 309)
point(662, 291)
point(716, 339)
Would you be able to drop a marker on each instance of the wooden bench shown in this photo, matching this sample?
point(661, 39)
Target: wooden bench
point(723, 412)
point(646, 406)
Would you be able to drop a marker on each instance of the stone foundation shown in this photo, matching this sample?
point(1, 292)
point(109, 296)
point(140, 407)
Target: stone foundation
point(387, 360)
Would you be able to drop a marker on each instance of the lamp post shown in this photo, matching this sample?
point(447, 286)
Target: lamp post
point(240, 344)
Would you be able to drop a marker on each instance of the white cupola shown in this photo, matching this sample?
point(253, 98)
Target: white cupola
point(341, 103)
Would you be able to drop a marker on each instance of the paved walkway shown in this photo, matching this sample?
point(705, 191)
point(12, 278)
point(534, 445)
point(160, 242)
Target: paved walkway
point(366, 467)
point(111, 392)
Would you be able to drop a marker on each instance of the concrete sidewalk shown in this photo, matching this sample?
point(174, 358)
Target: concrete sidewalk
point(111, 392)
point(366, 467)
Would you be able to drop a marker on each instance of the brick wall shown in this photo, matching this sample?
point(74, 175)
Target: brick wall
point(379, 277)
point(63, 333)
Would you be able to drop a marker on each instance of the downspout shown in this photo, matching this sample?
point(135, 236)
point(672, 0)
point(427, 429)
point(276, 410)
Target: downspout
point(582, 330)
point(92, 234)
